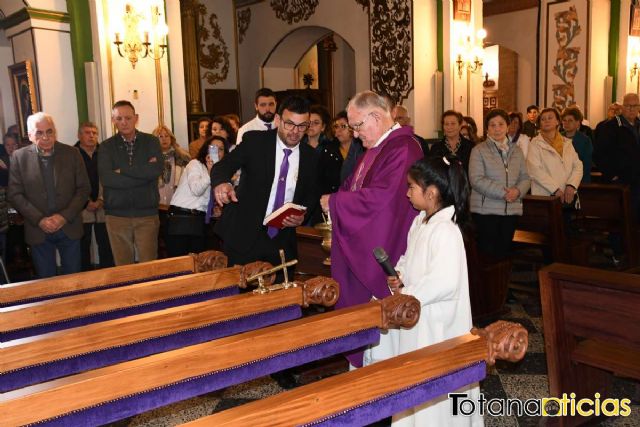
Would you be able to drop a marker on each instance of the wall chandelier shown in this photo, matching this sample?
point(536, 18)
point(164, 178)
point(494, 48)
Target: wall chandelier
point(143, 35)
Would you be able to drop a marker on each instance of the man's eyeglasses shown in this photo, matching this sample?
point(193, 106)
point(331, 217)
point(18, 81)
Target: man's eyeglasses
point(631, 106)
point(340, 126)
point(41, 134)
point(302, 127)
point(356, 127)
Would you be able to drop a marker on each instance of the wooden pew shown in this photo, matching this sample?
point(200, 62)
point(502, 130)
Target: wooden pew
point(607, 208)
point(107, 394)
point(73, 284)
point(590, 327)
point(541, 225)
point(68, 312)
point(310, 253)
point(370, 394)
point(45, 357)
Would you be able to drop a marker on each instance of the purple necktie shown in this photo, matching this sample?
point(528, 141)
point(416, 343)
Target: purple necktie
point(212, 203)
point(282, 186)
point(268, 125)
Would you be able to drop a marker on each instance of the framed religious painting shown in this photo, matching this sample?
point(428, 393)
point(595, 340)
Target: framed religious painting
point(462, 10)
point(25, 93)
point(567, 54)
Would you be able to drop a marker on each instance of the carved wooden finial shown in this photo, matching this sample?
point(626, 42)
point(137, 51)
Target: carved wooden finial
point(506, 341)
point(320, 290)
point(254, 268)
point(209, 261)
point(399, 311)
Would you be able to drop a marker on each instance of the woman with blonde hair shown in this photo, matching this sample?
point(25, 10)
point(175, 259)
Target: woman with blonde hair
point(175, 159)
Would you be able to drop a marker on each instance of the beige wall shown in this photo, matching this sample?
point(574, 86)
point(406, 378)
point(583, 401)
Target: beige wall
point(265, 32)
point(7, 113)
point(517, 31)
point(118, 80)
point(225, 13)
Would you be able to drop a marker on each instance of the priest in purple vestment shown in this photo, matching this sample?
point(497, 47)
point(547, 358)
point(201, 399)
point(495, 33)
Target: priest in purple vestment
point(371, 208)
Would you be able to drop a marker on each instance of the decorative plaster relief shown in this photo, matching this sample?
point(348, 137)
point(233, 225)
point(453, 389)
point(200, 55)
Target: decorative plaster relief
point(391, 32)
point(244, 19)
point(215, 55)
point(293, 11)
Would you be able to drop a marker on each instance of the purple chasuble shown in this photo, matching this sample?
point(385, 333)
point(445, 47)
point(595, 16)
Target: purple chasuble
point(370, 211)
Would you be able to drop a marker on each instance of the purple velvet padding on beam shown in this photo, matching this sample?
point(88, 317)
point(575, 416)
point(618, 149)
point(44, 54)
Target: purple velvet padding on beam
point(59, 368)
point(132, 405)
point(92, 289)
point(410, 397)
point(117, 314)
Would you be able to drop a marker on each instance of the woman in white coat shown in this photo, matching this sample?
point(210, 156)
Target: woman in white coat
point(434, 270)
point(554, 166)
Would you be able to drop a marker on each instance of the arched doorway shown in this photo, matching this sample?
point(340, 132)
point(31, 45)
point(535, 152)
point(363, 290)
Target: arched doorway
point(314, 60)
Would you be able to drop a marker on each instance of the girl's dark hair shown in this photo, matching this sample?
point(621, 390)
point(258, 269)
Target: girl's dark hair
point(204, 150)
point(226, 125)
point(449, 177)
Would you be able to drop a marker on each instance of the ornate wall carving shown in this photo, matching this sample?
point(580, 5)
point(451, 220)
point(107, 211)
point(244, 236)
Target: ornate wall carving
point(293, 11)
point(391, 34)
point(244, 19)
point(213, 52)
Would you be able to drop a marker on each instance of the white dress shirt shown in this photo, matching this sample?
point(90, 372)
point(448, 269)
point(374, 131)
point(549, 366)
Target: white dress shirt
point(253, 124)
point(292, 174)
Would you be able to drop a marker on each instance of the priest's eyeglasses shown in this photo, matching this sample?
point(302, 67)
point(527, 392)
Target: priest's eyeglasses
point(356, 127)
point(302, 127)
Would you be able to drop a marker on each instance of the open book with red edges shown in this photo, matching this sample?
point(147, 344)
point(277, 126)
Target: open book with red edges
point(276, 217)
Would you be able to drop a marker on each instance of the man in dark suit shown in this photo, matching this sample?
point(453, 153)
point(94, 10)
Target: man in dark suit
point(48, 185)
point(266, 158)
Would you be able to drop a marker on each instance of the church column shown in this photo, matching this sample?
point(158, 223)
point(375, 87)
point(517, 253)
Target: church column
point(189, 14)
point(327, 47)
point(42, 38)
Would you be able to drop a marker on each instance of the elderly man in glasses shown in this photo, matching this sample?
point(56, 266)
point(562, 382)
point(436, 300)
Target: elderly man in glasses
point(49, 186)
point(276, 169)
point(371, 207)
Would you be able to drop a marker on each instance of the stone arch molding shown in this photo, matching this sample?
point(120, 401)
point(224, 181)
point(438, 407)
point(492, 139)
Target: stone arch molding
point(293, 45)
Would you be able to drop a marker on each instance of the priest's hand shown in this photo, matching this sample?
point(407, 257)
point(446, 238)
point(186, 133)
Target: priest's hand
point(293, 221)
point(225, 194)
point(324, 202)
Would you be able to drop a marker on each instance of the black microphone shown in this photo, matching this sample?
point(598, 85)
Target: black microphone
point(383, 260)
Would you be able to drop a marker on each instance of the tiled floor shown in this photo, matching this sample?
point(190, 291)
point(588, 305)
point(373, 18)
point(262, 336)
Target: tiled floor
point(523, 380)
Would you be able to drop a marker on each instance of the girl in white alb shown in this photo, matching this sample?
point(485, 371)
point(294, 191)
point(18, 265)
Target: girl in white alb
point(434, 270)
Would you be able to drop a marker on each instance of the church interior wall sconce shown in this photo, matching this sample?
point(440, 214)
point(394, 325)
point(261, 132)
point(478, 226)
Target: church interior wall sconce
point(470, 51)
point(143, 34)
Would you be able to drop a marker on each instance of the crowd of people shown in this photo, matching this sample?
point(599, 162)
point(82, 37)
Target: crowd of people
point(142, 195)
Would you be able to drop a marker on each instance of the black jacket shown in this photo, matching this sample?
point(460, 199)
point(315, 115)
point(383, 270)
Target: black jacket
point(439, 149)
point(133, 192)
point(617, 151)
point(241, 222)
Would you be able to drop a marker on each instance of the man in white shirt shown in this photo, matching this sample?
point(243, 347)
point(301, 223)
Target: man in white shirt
point(266, 112)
